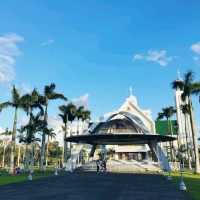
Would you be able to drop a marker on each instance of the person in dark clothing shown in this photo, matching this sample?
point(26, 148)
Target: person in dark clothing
point(98, 167)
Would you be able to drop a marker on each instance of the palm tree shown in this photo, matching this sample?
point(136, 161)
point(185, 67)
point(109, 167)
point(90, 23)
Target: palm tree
point(5, 133)
point(50, 134)
point(79, 115)
point(186, 110)
point(28, 134)
point(86, 115)
point(49, 94)
point(68, 113)
point(167, 113)
point(189, 87)
point(16, 103)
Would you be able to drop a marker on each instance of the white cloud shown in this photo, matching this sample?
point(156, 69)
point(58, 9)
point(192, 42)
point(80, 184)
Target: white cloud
point(48, 42)
point(56, 123)
point(8, 52)
point(157, 56)
point(196, 58)
point(82, 100)
point(196, 48)
point(138, 57)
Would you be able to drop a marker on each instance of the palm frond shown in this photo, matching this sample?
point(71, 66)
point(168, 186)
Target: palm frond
point(57, 96)
point(178, 84)
point(48, 89)
point(15, 96)
point(188, 77)
point(195, 88)
point(160, 116)
point(5, 105)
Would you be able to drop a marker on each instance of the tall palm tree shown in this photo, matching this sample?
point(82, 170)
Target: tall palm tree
point(50, 134)
point(86, 115)
point(189, 88)
point(186, 110)
point(5, 133)
point(16, 102)
point(79, 115)
point(49, 94)
point(167, 113)
point(28, 134)
point(68, 113)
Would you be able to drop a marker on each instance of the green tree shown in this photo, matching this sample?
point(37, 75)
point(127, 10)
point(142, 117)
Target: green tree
point(49, 94)
point(28, 136)
point(167, 113)
point(16, 102)
point(4, 143)
point(189, 88)
point(68, 113)
point(186, 110)
point(50, 134)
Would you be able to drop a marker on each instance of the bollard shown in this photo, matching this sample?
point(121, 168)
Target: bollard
point(56, 172)
point(182, 186)
point(30, 177)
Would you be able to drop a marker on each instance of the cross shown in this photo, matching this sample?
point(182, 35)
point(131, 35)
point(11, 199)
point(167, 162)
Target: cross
point(179, 74)
point(131, 91)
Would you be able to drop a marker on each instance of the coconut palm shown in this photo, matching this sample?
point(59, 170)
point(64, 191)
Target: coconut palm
point(82, 114)
point(79, 115)
point(28, 134)
point(167, 113)
point(16, 102)
point(186, 110)
point(68, 113)
point(49, 94)
point(5, 133)
point(86, 115)
point(50, 134)
point(189, 88)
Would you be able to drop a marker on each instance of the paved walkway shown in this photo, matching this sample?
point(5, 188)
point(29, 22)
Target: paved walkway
point(92, 186)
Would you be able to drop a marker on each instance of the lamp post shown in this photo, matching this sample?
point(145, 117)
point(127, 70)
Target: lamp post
point(56, 171)
point(30, 177)
point(182, 185)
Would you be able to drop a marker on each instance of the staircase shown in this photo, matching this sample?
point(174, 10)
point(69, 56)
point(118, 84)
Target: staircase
point(123, 166)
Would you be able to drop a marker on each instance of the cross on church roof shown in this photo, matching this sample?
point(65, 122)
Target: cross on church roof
point(178, 74)
point(131, 91)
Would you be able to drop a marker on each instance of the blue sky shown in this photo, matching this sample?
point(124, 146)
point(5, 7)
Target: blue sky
point(99, 48)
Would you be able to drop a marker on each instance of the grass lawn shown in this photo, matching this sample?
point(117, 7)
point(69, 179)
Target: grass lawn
point(5, 178)
point(192, 182)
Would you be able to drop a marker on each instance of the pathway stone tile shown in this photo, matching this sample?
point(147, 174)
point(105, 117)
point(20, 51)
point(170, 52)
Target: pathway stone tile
point(92, 186)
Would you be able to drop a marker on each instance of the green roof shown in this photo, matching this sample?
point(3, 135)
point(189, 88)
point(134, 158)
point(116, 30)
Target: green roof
point(163, 129)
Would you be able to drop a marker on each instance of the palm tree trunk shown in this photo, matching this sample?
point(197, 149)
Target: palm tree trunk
point(12, 154)
point(32, 156)
point(47, 151)
point(42, 152)
point(194, 137)
point(26, 158)
point(65, 149)
point(3, 158)
point(187, 146)
point(170, 143)
point(18, 156)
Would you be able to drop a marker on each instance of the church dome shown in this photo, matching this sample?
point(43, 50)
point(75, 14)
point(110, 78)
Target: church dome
point(121, 123)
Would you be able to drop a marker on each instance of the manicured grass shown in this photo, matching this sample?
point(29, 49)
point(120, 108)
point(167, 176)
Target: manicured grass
point(6, 178)
point(192, 182)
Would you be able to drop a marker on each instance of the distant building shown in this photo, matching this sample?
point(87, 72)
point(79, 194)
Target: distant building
point(162, 127)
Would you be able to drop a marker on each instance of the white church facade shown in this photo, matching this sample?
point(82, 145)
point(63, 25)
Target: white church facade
point(132, 152)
